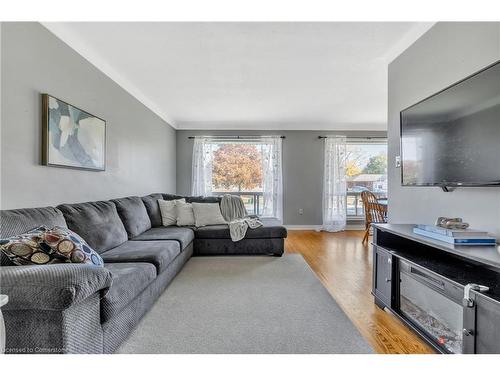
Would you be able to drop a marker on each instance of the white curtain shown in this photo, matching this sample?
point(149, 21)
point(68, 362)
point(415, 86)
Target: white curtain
point(272, 175)
point(201, 180)
point(334, 185)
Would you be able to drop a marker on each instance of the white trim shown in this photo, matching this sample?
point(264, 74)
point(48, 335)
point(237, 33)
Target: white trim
point(303, 227)
point(289, 125)
point(78, 44)
point(360, 226)
point(317, 228)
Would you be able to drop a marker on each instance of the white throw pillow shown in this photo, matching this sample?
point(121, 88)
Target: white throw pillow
point(207, 214)
point(169, 211)
point(185, 215)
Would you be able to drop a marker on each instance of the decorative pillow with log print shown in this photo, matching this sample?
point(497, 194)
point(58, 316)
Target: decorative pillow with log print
point(47, 246)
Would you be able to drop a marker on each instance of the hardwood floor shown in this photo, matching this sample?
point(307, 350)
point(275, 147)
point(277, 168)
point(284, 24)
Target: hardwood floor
point(344, 266)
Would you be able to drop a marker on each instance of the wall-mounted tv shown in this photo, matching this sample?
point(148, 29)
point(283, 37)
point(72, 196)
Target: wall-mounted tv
point(452, 138)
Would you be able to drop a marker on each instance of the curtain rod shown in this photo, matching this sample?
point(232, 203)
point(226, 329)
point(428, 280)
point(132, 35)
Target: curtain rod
point(346, 136)
point(238, 136)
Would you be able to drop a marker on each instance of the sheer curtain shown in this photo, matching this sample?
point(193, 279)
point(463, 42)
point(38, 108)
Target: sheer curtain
point(201, 180)
point(272, 178)
point(334, 185)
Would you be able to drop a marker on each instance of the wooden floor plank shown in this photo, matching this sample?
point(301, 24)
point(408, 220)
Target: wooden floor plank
point(344, 266)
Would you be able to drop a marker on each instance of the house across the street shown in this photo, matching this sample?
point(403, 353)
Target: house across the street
point(372, 182)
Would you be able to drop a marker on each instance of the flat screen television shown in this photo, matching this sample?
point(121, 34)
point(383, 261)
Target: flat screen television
point(452, 138)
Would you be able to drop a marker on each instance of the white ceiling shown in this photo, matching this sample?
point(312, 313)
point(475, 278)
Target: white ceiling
point(315, 76)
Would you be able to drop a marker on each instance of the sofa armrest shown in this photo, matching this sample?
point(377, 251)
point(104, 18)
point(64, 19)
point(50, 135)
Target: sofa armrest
point(51, 287)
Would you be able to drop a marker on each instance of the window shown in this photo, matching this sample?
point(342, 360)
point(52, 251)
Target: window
point(237, 169)
point(250, 168)
point(366, 169)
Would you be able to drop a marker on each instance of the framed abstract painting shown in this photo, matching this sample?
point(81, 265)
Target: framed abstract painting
point(71, 137)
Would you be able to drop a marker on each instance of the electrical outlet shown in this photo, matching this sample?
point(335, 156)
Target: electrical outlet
point(301, 211)
point(398, 161)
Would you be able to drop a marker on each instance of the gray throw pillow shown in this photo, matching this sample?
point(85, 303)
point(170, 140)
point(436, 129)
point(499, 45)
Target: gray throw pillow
point(207, 214)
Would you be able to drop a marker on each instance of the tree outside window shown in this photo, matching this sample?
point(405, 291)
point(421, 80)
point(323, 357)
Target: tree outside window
point(237, 169)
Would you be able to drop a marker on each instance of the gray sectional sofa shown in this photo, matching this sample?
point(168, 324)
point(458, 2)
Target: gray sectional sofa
point(70, 308)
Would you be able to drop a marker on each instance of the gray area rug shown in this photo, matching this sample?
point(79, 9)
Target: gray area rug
point(246, 305)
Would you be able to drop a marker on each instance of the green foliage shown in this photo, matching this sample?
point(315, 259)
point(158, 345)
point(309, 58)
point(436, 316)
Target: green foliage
point(376, 165)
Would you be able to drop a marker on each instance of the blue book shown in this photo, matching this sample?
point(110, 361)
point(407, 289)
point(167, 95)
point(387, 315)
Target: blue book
point(487, 241)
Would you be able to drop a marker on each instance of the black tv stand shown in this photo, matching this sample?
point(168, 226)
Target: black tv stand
point(449, 295)
point(447, 189)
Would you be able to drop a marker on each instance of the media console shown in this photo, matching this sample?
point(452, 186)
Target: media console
point(449, 295)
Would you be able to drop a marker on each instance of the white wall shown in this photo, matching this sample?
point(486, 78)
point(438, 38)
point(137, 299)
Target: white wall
point(447, 53)
point(141, 147)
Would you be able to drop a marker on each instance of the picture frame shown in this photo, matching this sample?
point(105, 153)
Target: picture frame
point(72, 137)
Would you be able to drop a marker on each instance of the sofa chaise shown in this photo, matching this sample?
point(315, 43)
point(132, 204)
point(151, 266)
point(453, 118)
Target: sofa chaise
point(71, 308)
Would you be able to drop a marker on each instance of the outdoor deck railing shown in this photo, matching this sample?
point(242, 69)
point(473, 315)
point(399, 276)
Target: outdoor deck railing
point(355, 204)
point(253, 202)
point(251, 199)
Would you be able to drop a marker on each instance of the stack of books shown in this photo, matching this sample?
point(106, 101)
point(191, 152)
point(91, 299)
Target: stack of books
point(468, 237)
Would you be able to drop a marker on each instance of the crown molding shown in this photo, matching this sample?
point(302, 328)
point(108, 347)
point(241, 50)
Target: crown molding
point(312, 125)
point(76, 43)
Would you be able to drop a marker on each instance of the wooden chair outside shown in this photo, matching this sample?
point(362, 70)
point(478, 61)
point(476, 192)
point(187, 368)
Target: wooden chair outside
point(374, 212)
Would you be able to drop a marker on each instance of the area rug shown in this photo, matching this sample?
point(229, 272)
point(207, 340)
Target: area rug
point(245, 305)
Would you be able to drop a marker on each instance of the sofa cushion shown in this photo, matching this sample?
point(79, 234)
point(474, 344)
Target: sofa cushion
point(201, 199)
point(171, 197)
point(250, 246)
point(97, 223)
point(151, 203)
point(134, 216)
point(183, 235)
point(191, 199)
point(15, 222)
point(159, 253)
point(222, 232)
point(129, 280)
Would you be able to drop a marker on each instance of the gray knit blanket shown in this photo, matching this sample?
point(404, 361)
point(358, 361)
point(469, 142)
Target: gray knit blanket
point(234, 212)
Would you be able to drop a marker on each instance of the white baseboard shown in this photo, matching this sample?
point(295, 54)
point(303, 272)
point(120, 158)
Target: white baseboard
point(360, 226)
point(303, 227)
